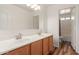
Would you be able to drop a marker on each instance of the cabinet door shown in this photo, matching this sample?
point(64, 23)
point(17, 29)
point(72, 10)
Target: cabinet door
point(50, 44)
point(25, 50)
point(36, 48)
point(45, 46)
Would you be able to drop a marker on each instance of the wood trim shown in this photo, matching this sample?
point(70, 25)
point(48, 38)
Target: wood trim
point(42, 46)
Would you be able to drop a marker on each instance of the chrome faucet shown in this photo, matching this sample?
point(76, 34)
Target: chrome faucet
point(19, 36)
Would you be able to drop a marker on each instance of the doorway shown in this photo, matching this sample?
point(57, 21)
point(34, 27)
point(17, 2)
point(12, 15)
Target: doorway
point(66, 19)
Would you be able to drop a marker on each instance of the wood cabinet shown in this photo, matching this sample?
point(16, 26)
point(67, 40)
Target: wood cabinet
point(51, 47)
point(25, 50)
point(36, 48)
point(42, 46)
point(45, 46)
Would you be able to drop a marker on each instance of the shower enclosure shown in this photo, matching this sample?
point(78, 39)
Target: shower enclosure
point(66, 18)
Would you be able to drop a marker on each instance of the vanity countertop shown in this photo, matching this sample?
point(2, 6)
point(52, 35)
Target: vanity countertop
point(9, 45)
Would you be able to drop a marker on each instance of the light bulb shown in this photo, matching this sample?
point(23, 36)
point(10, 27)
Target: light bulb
point(33, 6)
point(62, 11)
point(28, 4)
point(37, 8)
point(62, 19)
point(67, 18)
point(72, 18)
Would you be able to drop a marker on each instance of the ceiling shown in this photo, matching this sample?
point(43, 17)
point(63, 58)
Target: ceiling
point(23, 6)
point(29, 9)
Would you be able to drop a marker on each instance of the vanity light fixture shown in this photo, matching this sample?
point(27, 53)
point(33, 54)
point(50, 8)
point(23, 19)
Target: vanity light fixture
point(34, 6)
point(68, 10)
point(62, 11)
point(37, 8)
point(62, 19)
point(28, 4)
point(67, 18)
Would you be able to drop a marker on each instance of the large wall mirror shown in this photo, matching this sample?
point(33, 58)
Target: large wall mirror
point(14, 17)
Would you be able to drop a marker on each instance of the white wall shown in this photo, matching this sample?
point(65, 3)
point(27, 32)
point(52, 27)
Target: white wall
point(77, 29)
point(73, 37)
point(43, 19)
point(53, 20)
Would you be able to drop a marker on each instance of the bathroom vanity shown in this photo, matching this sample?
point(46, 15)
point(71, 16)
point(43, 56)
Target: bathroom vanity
point(34, 45)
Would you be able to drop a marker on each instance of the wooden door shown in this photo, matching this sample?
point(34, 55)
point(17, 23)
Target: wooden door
point(51, 44)
point(36, 48)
